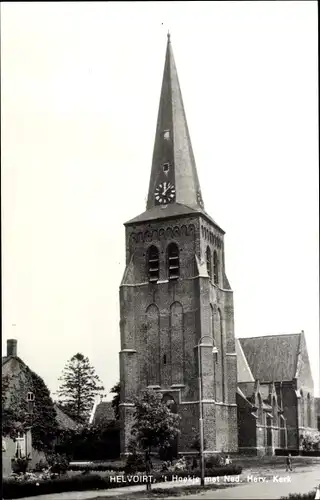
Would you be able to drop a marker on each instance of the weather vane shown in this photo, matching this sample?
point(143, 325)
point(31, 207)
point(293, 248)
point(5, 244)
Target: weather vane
point(168, 34)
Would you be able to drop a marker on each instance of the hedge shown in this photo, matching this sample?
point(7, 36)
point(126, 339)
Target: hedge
point(302, 453)
point(297, 496)
point(18, 489)
point(96, 467)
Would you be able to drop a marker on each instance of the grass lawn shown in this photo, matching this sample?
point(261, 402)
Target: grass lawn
point(166, 492)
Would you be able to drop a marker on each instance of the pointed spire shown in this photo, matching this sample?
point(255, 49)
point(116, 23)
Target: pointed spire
point(174, 177)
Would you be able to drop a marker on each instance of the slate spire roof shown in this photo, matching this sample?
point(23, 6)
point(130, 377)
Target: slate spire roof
point(173, 171)
point(172, 145)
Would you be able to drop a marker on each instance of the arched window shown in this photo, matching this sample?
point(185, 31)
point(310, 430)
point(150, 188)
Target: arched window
point(309, 423)
point(173, 261)
point(215, 268)
point(260, 410)
point(209, 264)
point(153, 264)
point(275, 411)
point(302, 420)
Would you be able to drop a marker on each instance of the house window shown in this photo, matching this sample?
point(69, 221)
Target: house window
point(30, 396)
point(20, 446)
point(173, 261)
point(209, 264)
point(215, 268)
point(153, 264)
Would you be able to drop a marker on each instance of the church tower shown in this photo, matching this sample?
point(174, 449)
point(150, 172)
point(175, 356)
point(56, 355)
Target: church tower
point(175, 296)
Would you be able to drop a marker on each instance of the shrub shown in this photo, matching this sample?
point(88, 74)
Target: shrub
point(303, 453)
point(296, 496)
point(99, 442)
point(134, 463)
point(20, 465)
point(41, 465)
point(310, 440)
point(58, 463)
point(214, 461)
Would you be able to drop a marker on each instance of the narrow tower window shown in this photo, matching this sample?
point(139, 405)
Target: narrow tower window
point(209, 264)
point(215, 268)
point(153, 264)
point(173, 261)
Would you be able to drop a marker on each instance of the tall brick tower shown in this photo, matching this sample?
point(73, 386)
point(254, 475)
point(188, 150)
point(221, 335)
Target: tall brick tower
point(175, 292)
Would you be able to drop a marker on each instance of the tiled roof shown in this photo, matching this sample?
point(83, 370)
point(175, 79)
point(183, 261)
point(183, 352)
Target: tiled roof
point(272, 358)
point(64, 421)
point(104, 412)
point(170, 210)
point(7, 358)
point(247, 388)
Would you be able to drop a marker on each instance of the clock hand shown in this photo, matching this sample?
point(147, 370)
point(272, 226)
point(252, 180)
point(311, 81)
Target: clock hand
point(164, 192)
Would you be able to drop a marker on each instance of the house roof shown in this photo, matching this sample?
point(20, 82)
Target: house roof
point(103, 413)
point(7, 358)
point(272, 358)
point(64, 421)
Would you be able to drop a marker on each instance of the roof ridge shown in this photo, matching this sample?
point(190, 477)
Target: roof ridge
point(269, 335)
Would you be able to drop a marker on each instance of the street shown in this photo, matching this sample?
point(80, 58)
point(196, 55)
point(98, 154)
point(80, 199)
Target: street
point(271, 486)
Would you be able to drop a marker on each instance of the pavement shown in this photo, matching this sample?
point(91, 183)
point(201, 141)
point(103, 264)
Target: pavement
point(272, 486)
point(255, 483)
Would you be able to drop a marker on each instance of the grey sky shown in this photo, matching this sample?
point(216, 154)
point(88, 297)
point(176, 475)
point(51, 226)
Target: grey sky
point(80, 92)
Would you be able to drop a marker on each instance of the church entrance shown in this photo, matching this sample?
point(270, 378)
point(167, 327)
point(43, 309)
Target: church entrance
point(172, 452)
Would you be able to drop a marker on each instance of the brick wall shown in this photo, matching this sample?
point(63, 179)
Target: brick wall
point(162, 323)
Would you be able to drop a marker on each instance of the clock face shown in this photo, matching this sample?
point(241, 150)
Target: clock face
point(165, 193)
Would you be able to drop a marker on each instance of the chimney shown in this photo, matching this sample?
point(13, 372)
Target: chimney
point(11, 347)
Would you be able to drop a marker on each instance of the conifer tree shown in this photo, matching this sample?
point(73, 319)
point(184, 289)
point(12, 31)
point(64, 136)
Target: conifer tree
point(116, 400)
point(79, 386)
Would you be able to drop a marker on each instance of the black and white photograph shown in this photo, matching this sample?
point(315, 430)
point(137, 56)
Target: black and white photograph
point(160, 250)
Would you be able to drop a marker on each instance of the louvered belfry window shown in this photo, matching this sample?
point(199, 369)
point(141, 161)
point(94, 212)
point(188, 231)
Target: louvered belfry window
point(215, 268)
point(173, 261)
point(209, 265)
point(153, 264)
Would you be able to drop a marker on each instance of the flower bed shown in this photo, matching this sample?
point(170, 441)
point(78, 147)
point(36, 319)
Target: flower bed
point(13, 488)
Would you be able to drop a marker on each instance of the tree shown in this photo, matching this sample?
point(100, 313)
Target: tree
point(154, 423)
point(116, 400)
point(79, 387)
